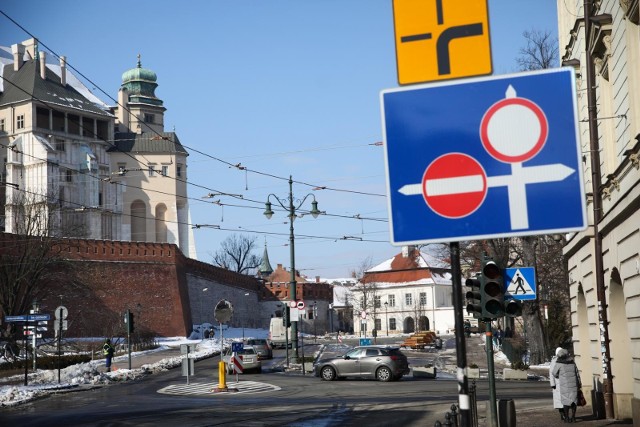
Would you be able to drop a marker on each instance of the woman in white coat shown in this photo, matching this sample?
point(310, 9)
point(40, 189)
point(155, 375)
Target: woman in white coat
point(567, 376)
point(555, 386)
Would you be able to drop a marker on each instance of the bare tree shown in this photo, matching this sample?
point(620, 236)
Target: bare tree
point(236, 254)
point(540, 51)
point(30, 260)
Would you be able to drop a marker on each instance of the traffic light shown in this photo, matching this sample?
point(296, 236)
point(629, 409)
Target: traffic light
point(474, 298)
point(513, 308)
point(128, 320)
point(286, 317)
point(492, 292)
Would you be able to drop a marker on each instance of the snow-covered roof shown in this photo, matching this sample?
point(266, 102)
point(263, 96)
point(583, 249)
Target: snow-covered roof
point(425, 260)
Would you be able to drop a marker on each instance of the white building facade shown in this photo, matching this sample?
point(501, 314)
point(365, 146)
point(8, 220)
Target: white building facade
point(407, 293)
point(614, 49)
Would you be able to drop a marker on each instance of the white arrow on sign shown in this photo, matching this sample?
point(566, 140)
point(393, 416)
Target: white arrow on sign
point(515, 183)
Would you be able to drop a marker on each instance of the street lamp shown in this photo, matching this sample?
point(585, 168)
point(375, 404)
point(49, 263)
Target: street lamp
point(386, 315)
point(291, 208)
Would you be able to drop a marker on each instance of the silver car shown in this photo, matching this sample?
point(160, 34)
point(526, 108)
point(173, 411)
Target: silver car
point(384, 363)
point(250, 360)
point(262, 347)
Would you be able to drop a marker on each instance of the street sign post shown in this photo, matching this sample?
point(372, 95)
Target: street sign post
point(484, 158)
point(441, 39)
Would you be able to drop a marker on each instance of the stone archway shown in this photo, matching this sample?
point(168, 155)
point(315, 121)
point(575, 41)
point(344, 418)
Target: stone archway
point(423, 323)
point(621, 357)
point(409, 325)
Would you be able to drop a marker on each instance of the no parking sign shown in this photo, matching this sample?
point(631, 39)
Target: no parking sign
point(484, 158)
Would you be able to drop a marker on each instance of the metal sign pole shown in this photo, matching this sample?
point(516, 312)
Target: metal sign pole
point(461, 346)
point(59, 342)
point(488, 342)
point(26, 353)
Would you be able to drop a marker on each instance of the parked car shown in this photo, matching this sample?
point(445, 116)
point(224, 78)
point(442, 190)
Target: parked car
point(382, 362)
point(262, 347)
point(250, 360)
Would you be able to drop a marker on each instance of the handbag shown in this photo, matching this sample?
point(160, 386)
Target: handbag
point(581, 400)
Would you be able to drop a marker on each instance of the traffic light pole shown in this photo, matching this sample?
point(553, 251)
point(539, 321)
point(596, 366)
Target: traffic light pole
point(461, 346)
point(492, 380)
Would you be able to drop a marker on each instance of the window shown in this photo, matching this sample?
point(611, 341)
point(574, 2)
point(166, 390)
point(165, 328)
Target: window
point(408, 299)
point(152, 172)
point(376, 300)
point(1, 125)
point(392, 324)
point(69, 176)
point(423, 298)
point(392, 300)
point(378, 324)
point(60, 146)
point(165, 170)
point(20, 122)
point(122, 168)
point(179, 170)
point(149, 118)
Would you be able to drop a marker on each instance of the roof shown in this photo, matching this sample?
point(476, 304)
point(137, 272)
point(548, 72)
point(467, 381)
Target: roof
point(417, 268)
point(26, 85)
point(164, 142)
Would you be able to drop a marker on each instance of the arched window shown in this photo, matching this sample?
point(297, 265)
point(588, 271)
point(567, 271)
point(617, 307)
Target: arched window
point(138, 221)
point(161, 225)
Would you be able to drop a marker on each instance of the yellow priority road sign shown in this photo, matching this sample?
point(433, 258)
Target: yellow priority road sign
point(441, 39)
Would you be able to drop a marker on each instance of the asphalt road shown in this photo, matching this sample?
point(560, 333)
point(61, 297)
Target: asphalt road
point(272, 398)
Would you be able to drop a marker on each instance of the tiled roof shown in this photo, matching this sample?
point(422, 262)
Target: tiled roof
point(127, 142)
point(27, 85)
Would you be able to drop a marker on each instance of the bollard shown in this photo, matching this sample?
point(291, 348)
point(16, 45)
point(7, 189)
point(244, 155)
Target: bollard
point(447, 420)
point(222, 374)
point(437, 424)
point(454, 415)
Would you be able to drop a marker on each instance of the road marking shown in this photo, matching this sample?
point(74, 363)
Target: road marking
point(205, 388)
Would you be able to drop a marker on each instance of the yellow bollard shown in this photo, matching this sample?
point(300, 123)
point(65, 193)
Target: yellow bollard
point(222, 375)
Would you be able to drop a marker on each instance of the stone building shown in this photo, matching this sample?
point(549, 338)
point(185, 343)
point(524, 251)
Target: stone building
point(604, 260)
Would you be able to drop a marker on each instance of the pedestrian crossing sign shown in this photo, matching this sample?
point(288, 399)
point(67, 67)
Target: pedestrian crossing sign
point(520, 283)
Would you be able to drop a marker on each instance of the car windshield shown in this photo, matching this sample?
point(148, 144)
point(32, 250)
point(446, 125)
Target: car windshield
point(257, 342)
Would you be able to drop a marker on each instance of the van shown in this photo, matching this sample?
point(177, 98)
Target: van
point(277, 333)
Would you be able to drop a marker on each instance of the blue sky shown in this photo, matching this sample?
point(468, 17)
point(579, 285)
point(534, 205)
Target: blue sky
point(284, 87)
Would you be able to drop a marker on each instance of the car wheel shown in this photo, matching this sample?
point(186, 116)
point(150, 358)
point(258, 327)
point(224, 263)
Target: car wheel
point(328, 373)
point(384, 374)
point(259, 370)
point(397, 377)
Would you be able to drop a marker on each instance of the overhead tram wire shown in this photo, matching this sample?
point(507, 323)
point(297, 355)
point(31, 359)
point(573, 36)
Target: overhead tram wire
point(186, 146)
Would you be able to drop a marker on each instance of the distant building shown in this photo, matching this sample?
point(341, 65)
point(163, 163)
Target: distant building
point(54, 138)
point(89, 170)
point(407, 293)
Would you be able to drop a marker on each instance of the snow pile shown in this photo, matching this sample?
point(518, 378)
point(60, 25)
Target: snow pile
point(92, 373)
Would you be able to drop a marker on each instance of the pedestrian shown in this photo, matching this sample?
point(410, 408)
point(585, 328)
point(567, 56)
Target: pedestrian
point(107, 351)
point(567, 377)
point(499, 336)
point(555, 386)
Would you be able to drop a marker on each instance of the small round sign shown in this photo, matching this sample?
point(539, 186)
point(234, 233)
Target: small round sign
point(514, 130)
point(61, 312)
point(293, 304)
point(454, 185)
point(300, 305)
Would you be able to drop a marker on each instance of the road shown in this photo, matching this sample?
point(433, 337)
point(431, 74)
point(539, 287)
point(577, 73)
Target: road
point(271, 398)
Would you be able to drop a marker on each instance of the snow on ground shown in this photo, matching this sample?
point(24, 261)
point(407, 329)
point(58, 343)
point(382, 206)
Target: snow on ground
point(91, 373)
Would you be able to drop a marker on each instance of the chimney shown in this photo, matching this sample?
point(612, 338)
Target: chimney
point(18, 56)
point(63, 70)
point(317, 279)
point(43, 64)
